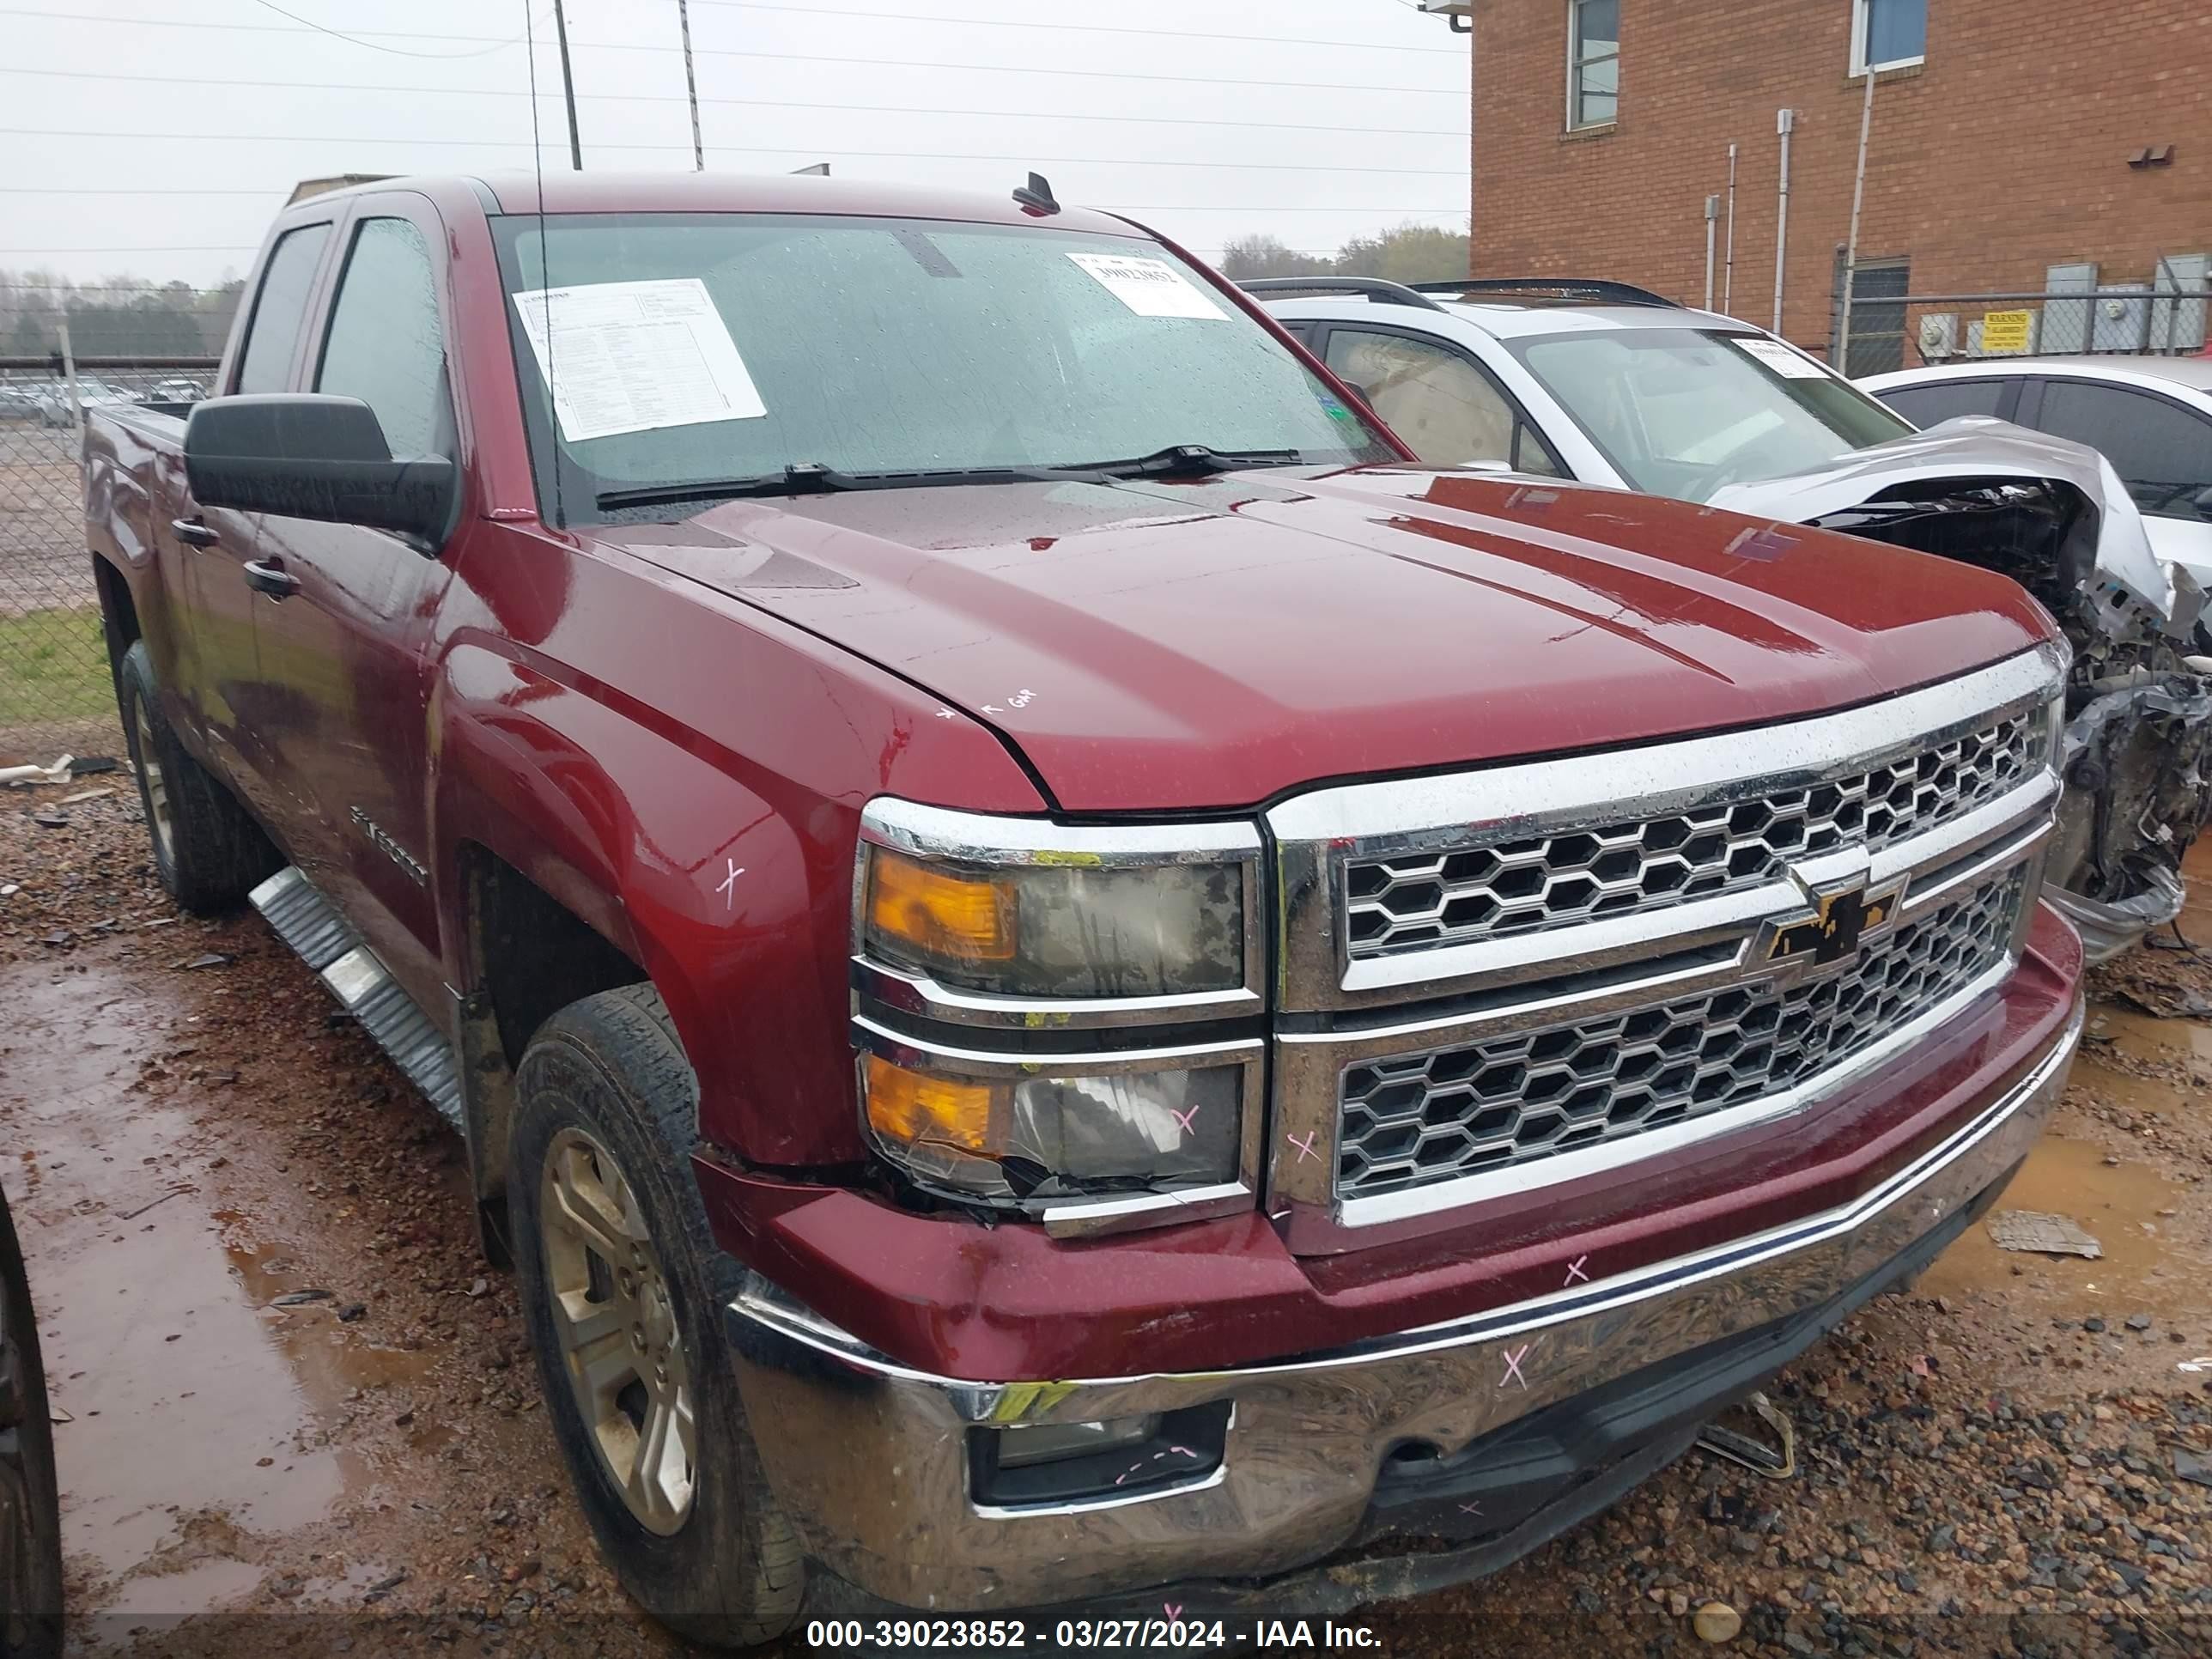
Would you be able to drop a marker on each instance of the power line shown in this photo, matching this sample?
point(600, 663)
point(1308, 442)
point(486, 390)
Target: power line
point(807, 150)
point(307, 138)
point(754, 103)
point(397, 51)
point(794, 56)
point(1085, 28)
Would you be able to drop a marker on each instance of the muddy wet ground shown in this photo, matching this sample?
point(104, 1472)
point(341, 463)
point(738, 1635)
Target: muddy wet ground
point(295, 1412)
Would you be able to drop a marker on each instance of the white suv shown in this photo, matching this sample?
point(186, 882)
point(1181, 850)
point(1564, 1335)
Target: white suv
point(1597, 381)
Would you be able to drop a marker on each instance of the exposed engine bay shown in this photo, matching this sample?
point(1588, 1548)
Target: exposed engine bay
point(2137, 749)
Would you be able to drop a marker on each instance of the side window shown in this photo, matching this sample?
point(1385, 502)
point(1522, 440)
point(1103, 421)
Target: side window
point(2162, 454)
point(384, 346)
point(265, 365)
point(1593, 62)
point(1944, 400)
point(1430, 395)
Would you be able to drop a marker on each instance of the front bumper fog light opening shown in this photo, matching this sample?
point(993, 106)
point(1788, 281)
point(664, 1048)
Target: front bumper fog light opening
point(1059, 1463)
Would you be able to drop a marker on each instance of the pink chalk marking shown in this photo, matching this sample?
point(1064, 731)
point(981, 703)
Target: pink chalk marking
point(1470, 1508)
point(1183, 1451)
point(1575, 1270)
point(1173, 1609)
point(1513, 1358)
point(1305, 1147)
point(1185, 1118)
point(728, 890)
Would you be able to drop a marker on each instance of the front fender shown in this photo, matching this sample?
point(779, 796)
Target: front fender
point(715, 848)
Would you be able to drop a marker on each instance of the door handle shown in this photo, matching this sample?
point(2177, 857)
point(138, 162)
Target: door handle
point(269, 576)
point(194, 532)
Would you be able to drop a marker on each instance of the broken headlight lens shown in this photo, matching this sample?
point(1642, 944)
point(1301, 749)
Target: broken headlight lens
point(1040, 928)
point(1047, 1135)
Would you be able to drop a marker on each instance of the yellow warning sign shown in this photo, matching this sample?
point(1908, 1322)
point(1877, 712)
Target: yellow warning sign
point(2006, 331)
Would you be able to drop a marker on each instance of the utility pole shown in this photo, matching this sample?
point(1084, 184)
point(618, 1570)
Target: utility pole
point(691, 86)
point(569, 87)
point(1842, 363)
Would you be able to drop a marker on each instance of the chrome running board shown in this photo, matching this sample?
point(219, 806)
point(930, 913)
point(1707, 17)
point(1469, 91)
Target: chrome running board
point(327, 942)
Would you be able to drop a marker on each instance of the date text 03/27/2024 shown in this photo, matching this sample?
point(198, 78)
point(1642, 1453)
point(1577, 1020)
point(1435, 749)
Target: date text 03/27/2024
point(1167, 1632)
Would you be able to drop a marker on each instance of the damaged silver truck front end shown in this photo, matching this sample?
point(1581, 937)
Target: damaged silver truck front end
point(2053, 515)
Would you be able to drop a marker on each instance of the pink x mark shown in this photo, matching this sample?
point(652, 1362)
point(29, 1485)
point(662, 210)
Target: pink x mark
point(1184, 1118)
point(1305, 1147)
point(1470, 1508)
point(1513, 1358)
point(1173, 1609)
point(1575, 1270)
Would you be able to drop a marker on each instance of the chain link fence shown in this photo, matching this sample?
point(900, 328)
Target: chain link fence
point(1893, 328)
point(67, 351)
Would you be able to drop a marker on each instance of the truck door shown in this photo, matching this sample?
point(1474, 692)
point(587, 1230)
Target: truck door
point(342, 612)
point(216, 680)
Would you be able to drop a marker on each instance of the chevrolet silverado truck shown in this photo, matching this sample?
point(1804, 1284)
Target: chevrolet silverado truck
point(1074, 989)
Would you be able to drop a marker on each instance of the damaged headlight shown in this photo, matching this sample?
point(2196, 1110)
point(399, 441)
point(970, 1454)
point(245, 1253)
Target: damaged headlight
point(1059, 1018)
point(1059, 1133)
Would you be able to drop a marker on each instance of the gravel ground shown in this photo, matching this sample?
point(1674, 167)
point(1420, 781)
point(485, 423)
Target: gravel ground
point(295, 1413)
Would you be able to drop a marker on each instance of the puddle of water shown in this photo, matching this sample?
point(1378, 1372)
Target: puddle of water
point(197, 1589)
point(186, 1393)
point(2148, 1266)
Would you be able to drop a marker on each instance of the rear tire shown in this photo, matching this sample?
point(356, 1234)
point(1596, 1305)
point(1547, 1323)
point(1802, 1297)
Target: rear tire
point(623, 1287)
point(208, 850)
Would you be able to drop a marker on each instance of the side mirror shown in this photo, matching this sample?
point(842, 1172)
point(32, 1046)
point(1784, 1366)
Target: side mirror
point(306, 455)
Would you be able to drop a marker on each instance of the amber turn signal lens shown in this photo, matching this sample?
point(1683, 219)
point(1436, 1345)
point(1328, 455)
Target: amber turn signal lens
point(941, 914)
point(911, 1108)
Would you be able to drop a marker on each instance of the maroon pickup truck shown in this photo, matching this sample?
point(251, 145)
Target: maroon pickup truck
point(1071, 988)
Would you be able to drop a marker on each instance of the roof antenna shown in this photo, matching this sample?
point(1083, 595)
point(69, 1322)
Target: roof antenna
point(1035, 196)
point(544, 275)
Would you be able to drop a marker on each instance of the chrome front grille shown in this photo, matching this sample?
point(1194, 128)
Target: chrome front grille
point(1439, 1113)
point(1492, 981)
point(1459, 895)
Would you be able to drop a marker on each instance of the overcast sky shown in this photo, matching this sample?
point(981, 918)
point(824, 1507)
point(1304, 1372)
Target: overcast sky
point(157, 137)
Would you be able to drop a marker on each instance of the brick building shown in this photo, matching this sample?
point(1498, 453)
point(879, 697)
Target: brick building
point(2010, 137)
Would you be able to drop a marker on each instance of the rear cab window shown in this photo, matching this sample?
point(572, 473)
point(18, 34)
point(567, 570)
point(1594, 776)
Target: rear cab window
point(280, 309)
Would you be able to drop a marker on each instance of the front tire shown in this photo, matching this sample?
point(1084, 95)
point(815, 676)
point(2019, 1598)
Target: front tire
point(623, 1287)
point(208, 850)
point(30, 1506)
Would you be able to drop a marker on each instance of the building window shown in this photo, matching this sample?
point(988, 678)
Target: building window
point(1887, 33)
point(1593, 62)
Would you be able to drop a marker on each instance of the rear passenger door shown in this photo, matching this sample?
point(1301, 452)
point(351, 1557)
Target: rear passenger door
point(216, 677)
point(341, 639)
point(1442, 402)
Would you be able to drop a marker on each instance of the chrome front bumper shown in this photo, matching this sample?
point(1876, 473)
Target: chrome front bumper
point(869, 1458)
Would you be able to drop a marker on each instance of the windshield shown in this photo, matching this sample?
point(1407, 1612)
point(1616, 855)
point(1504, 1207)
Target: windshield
point(699, 347)
point(1682, 411)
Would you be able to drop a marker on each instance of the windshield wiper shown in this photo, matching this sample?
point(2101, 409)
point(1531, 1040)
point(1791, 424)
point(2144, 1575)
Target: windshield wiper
point(1190, 461)
point(812, 479)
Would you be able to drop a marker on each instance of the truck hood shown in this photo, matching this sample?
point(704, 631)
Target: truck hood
point(1164, 645)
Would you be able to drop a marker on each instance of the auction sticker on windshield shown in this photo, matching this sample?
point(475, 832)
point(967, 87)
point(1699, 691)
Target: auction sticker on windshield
point(632, 356)
point(1780, 358)
point(1150, 287)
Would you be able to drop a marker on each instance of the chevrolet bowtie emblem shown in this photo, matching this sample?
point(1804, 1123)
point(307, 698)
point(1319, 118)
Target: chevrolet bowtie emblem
point(1837, 923)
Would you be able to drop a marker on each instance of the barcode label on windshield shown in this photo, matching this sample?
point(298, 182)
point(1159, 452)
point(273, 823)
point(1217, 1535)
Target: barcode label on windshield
point(1150, 287)
point(1789, 364)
